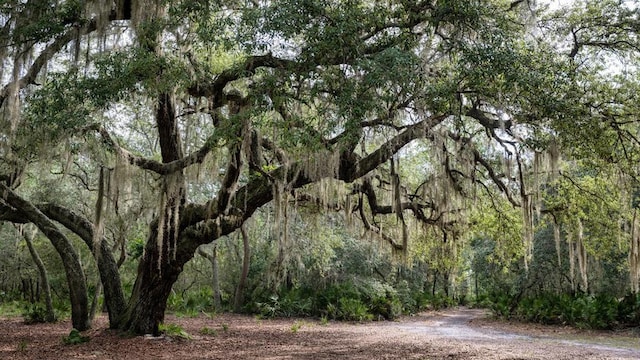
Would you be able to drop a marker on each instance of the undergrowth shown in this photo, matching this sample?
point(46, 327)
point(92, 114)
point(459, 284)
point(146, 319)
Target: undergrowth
point(603, 311)
point(350, 301)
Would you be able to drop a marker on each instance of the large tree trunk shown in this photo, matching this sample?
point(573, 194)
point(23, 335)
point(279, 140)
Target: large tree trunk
point(159, 266)
point(217, 294)
point(156, 276)
point(94, 302)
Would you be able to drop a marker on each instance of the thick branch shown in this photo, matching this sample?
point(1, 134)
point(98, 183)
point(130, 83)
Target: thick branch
point(107, 265)
point(487, 122)
point(415, 207)
point(230, 181)
point(377, 230)
point(384, 152)
point(215, 89)
point(496, 179)
point(156, 166)
point(259, 190)
point(70, 260)
point(81, 226)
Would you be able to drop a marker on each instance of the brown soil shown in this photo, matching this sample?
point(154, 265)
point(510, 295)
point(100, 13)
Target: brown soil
point(452, 334)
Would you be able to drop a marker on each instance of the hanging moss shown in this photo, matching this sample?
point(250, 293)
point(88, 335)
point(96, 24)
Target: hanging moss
point(581, 253)
point(556, 237)
point(572, 260)
point(527, 229)
point(98, 223)
point(634, 254)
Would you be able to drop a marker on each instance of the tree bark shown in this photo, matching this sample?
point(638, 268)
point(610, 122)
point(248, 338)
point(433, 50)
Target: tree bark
point(94, 302)
point(156, 276)
point(159, 266)
point(107, 266)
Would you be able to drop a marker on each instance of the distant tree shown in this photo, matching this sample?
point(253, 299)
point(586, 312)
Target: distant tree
point(44, 276)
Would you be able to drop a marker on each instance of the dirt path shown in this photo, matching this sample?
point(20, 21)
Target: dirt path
point(471, 327)
point(452, 334)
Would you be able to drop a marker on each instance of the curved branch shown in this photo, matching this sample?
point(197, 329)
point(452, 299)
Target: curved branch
point(363, 166)
point(377, 230)
point(153, 165)
point(215, 89)
point(496, 179)
point(258, 191)
point(73, 270)
point(415, 207)
point(44, 57)
point(81, 226)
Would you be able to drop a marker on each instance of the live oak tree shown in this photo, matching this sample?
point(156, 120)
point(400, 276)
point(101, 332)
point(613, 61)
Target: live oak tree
point(213, 109)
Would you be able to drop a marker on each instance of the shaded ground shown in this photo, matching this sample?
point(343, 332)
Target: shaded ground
point(452, 334)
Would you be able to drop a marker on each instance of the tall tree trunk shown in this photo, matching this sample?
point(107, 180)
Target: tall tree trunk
point(44, 277)
point(94, 302)
point(217, 295)
point(107, 266)
point(215, 281)
point(246, 256)
point(156, 276)
point(70, 260)
point(159, 267)
point(435, 282)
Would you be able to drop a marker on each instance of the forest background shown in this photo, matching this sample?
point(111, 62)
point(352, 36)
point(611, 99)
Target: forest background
point(348, 160)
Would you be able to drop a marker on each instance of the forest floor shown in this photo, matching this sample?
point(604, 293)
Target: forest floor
point(450, 334)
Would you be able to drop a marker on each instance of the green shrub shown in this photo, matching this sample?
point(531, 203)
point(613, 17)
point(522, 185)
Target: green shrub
point(406, 300)
point(37, 314)
point(12, 308)
point(22, 346)
point(296, 302)
point(358, 300)
point(601, 311)
point(296, 326)
point(500, 306)
point(293, 303)
point(191, 303)
point(74, 338)
point(269, 308)
point(629, 310)
point(441, 301)
point(174, 331)
point(208, 331)
point(353, 310)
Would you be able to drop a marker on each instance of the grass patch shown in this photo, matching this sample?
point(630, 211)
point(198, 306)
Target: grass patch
point(208, 331)
point(296, 326)
point(12, 309)
point(174, 331)
point(22, 346)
